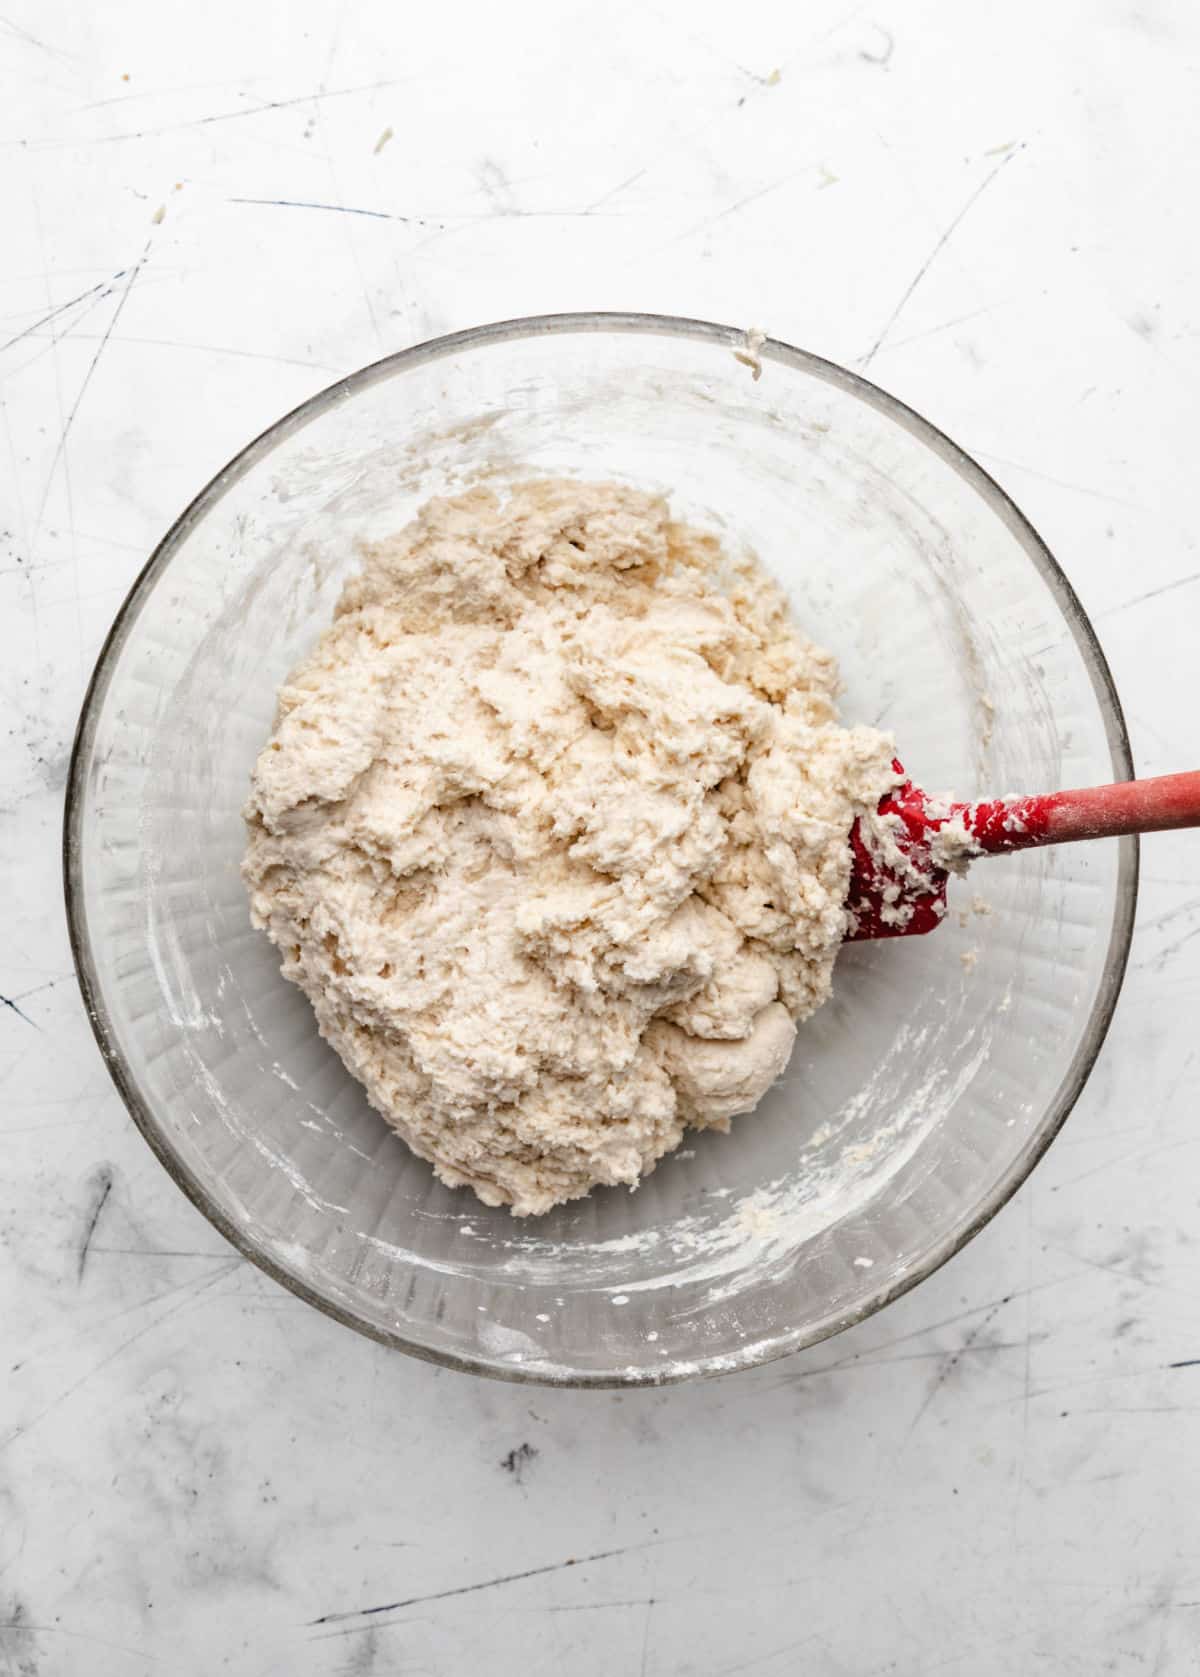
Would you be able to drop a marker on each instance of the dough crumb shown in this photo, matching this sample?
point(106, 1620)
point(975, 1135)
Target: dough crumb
point(552, 830)
point(751, 356)
point(953, 847)
point(757, 1218)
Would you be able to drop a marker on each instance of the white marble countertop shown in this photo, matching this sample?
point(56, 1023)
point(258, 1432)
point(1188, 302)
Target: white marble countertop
point(208, 214)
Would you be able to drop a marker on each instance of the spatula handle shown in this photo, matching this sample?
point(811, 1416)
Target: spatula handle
point(1133, 806)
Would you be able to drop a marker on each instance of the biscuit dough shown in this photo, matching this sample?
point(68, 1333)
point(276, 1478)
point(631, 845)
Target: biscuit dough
point(552, 831)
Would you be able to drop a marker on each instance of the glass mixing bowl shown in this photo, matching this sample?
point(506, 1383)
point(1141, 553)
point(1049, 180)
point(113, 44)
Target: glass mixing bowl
point(916, 1100)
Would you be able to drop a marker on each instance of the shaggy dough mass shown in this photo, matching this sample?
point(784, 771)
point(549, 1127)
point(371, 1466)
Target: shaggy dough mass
point(552, 831)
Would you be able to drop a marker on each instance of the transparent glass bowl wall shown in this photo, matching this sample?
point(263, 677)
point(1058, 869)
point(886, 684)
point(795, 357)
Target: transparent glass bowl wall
point(915, 1101)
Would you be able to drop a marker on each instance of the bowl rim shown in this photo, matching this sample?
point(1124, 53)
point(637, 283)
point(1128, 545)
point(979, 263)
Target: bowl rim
point(736, 340)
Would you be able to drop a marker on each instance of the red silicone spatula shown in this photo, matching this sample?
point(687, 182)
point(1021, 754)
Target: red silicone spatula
point(902, 863)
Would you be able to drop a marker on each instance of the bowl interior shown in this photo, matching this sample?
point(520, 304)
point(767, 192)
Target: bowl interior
point(914, 1101)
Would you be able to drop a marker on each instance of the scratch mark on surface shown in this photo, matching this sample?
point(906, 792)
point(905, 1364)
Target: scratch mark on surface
point(1157, 961)
point(77, 1635)
point(948, 1368)
point(753, 197)
point(646, 1637)
point(888, 47)
point(37, 1129)
point(937, 250)
point(49, 984)
point(194, 1291)
point(153, 1251)
point(59, 143)
point(948, 325)
point(103, 287)
point(32, 40)
point(317, 119)
point(471, 1589)
point(52, 337)
point(865, 1361)
point(872, 1355)
point(455, 224)
point(615, 191)
point(1115, 1163)
point(1188, 1362)
point(68, 487)
point(8, 1001)
point(128, 97)
point(741, 204)
point(723, 57)
point(1059, 482)
point(1137, 1409)
point(102, 1324)
point(771, 1654)
point(337, 209)
point(598, 1606)
point(200, 349)
point(1126, 1275)
point(388, 134)
point(1154, 593)
point(15, 478)
point(762, 84)
point(87, 379)
point(103, 1183)
point(1162, 1607)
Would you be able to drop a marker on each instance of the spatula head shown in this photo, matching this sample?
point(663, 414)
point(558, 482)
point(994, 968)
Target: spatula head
point(898, 871)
